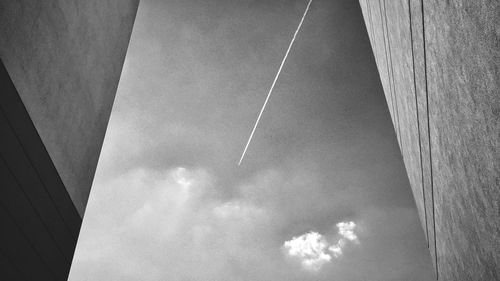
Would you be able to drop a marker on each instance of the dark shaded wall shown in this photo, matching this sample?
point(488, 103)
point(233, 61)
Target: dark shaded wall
point(59, 70)
point(65, 59)
point(439, 66)
point(39, 222)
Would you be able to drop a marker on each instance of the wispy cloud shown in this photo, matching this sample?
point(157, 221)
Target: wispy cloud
point(337, 248)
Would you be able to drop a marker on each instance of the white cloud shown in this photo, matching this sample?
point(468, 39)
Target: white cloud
point(310, 248)
point(346, 229)
point(193, 224)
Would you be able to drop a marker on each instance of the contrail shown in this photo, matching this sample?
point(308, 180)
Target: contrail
point(274, 82)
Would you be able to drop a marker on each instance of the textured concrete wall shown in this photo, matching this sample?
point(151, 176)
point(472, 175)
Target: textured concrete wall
point(439, 65)
point(65, 59)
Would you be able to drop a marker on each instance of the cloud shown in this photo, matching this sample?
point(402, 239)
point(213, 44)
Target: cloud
point(237, 210)
point(337, 248)
point(346, 229)
point(172, 221)
point(310, 248)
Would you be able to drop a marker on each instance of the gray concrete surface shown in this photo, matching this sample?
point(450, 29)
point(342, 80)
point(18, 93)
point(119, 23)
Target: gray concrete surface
point(65, 59)
point(421, 90)
point(463, 54)
point(445, 104)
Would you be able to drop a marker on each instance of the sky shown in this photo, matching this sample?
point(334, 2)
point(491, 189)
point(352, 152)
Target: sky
point(322, 193)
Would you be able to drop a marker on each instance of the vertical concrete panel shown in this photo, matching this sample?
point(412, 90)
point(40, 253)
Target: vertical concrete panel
point(381, 50)
point(420, 85)
point(463, 58)
point(402, 62)
point(364, 11)
point(456, 108)
point(362, 5)
point(396, 74)
point(373, 24)
point(65, 59)
point(390, 67)
point(369, 27)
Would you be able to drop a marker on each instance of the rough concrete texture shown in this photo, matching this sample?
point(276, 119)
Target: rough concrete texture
point(445, 60)
point(65, 59)
point(395, 65)
point(421, 90)
point(400, 39)
point(463, 62)
point(383, 59)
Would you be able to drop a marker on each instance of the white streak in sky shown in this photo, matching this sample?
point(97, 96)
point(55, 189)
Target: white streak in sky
point(274, 82)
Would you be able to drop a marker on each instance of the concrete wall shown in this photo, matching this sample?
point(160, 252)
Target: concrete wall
point(60, 62)
point(65, 60)
point(439, 64)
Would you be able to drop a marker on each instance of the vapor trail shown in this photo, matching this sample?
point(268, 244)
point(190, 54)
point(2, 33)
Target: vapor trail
point(274, 82)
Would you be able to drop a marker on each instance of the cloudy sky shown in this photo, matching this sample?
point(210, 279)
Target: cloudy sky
point(322, 193)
